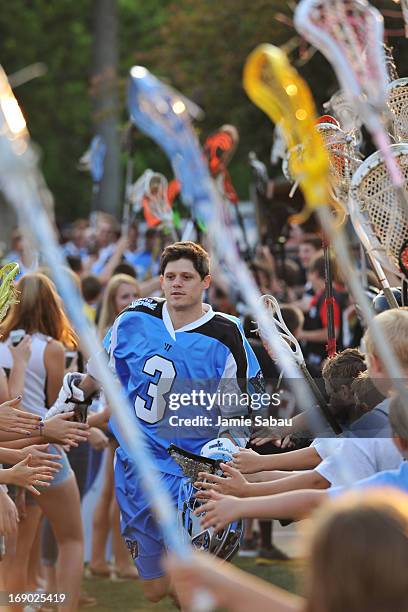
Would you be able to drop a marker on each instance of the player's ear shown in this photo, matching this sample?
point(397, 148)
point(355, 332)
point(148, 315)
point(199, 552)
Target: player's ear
point(207, 281)
point(161, 279)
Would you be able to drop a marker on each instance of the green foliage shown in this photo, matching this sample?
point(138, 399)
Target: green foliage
point(57, 104)
point(198, 47)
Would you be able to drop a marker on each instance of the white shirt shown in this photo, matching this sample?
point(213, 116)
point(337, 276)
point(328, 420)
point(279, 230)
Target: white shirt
point(34, 395)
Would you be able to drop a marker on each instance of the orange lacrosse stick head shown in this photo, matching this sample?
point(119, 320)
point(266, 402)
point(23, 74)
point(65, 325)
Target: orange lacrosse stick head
point(277, 88)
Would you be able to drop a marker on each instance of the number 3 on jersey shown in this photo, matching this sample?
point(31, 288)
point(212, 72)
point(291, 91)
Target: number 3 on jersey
point(156, 390)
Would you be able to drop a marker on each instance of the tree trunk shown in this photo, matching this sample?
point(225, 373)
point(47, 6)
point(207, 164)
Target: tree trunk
point(105, 102)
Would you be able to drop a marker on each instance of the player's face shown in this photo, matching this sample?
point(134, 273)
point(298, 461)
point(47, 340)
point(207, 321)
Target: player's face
point(182, 285)
point(124, 296)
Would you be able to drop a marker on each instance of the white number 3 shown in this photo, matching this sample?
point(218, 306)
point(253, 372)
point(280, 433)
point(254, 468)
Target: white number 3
point(157, 390)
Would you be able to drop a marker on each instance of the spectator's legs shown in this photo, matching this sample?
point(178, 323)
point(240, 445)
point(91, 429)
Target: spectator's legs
point(61, 504)
point(101, 520)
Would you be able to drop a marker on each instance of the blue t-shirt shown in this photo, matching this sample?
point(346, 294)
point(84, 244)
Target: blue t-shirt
point(390, 478)
point(181, 383)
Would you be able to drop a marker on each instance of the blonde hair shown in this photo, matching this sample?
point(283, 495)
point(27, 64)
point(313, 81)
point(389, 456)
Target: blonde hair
point(359, 554)
point(108, 308)
point(398, 416)
point(394, 325)
point(39, 309)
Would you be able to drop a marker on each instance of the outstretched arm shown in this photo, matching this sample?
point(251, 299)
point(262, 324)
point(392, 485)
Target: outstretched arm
point(236, 484)
point(248, 461)
point(231, 588)
point(223, 509)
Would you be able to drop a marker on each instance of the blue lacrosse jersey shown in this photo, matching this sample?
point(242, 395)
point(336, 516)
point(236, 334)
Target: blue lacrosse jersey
point(182, 384)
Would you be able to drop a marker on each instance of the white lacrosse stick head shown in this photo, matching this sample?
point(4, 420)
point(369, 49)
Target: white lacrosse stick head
point(397, 102)
point(350, 33)
point(279, 149)
point(343, 163)
point(153, 186)
point(289, 342)
point(374, 205)
point(136, 191)
point(339, 106)
point(156, 192)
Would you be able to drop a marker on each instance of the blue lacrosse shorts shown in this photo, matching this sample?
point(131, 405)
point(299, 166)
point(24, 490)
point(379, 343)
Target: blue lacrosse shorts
point(139, 528)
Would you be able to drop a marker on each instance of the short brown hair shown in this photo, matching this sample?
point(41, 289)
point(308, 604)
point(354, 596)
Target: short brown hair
point(343, 368)
point(186, 250)
point(293, 317)
point(365, 391)
point(313, 241)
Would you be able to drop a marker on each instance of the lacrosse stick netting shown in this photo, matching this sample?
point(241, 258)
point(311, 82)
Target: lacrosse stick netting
point(397, 101)
point(8, 291)
point(373, 204)
point(23, 185)
point(343, 162)
point(162, 115)
point(275, 86)
point(350, 34)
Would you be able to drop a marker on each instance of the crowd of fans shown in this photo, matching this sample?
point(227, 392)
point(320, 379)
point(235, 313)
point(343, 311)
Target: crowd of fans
point(49, 465)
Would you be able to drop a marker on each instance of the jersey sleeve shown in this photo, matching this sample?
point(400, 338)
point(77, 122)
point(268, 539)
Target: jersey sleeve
point(241, 382)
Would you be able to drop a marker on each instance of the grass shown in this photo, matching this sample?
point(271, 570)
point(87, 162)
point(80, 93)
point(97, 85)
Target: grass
point(127, 596)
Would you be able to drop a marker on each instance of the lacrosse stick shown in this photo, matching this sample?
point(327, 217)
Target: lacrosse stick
point(343, 163)
point(373, 206)
point(341, 108)
point(350, 34)
point(290, 343)
point(23, 186)
point(92, 161)
point(150, 194)
point(129, 146)
point(8, 292)
point(342, 167)
point(397, 101)
point(273, 85)
point(163, 116)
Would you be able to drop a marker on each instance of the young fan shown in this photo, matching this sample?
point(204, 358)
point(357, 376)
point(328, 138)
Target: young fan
point(358, 556)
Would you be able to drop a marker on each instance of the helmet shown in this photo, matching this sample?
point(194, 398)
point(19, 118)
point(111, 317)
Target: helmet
point(220, 449)
point(380, 301)
point(225, 543)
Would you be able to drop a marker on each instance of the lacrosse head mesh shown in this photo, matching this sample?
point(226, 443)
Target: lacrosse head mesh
point(374, 204)
point(289, 342)
point(339, 105)
point(397, 101)
point(276, 87)
point(350, 34)
point(8, 291)
point(343, 163)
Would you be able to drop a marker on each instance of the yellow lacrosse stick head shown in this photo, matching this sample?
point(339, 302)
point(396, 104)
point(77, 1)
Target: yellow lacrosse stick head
point(8, 291)
point(277, 88)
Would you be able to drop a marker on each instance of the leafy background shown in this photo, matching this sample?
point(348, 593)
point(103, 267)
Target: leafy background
point(198, 46)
